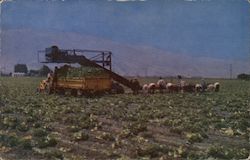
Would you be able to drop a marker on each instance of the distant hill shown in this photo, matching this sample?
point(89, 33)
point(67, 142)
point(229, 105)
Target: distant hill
point(21, 46)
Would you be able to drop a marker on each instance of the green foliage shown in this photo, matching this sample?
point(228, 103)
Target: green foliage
point(223, 152)
point(47, 141)
point(80, 136)
point(160, 126)
point(152, 150)
point(73, 72)
point(21, 68)
point(243, 76)
point(194, 137)
point(23, 127)
point(39, 132)
point(33, 72)
point(44, 70)
point(9, 140)
point(10, 121)
point(14, 141)
point(26, 144)
point(54, 154)
point(137, 127)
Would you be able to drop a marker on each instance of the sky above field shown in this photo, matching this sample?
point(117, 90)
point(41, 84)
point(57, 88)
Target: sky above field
point(206, 28)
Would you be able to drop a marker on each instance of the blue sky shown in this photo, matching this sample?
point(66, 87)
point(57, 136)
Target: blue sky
point(210, 28)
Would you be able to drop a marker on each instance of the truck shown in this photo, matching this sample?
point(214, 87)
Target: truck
point(80, 81)
point(94, 76)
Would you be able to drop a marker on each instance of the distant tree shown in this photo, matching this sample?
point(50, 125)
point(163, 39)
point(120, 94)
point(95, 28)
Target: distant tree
point(243, 76)
point(33, 72)
point(44, 70)
point(21, 68)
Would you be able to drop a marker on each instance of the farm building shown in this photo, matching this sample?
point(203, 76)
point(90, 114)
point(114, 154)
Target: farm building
point(18, 74)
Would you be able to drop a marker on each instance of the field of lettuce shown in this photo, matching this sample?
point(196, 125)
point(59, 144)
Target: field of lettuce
point(125, 126)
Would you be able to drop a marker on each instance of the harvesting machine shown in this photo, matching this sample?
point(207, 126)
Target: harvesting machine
point(96, 77)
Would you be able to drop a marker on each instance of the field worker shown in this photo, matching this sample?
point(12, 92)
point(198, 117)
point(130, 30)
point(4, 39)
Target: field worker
point(145, 89)
point(181, 83)
point(203, 85)
point(49, 76)
point(136, 85)
point(151, 88)
point(179, 80)
point(42, 85)
point(161, 84)
point(216, 86)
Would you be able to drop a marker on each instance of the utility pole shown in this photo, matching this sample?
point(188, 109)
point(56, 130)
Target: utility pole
point(146, 71)
point(231, 71)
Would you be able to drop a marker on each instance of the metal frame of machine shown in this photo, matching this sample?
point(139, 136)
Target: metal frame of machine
point(101, 59)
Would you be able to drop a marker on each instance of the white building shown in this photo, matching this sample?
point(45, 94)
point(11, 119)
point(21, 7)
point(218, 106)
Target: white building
point(18, 74)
